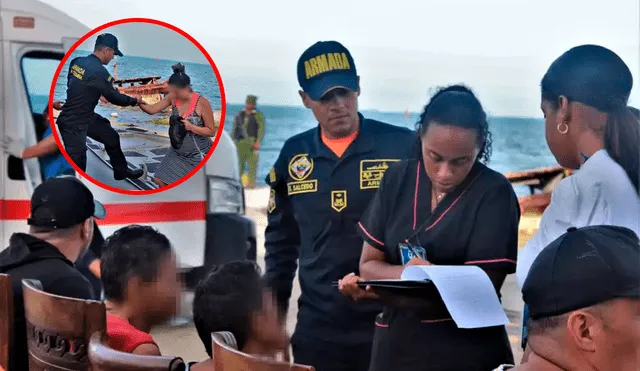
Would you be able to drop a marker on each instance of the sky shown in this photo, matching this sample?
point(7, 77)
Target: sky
point(150, 40)
point(402, 49)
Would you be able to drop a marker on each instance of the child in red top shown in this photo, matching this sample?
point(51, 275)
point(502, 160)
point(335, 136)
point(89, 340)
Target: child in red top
point(141, 287)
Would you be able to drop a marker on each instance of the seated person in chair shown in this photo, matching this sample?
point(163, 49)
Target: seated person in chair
point(61, 228)
point(141, 287)
point(234, 298)
point(53, 163)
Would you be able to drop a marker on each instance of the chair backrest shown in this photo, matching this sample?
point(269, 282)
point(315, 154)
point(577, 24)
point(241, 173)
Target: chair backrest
point(59, 328)
point(104, 358)
point(6, 320)
point(227, 358)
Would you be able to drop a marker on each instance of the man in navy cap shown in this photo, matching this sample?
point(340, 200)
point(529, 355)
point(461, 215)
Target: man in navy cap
point(87, 81)
point(583, 293)
point(61, 230)
point(321, 183)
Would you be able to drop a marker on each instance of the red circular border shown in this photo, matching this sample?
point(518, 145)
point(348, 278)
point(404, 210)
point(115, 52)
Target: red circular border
point(220, 86)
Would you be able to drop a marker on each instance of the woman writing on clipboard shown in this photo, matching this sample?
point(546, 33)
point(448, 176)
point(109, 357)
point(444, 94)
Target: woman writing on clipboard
point(451, 209)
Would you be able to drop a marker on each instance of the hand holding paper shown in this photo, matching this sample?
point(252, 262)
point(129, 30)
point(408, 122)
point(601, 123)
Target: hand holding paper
point(467, 292)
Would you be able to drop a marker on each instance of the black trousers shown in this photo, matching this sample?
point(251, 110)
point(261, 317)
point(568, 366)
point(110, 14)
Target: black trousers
point(99, 129)
point(332, 357)
point(403, 343)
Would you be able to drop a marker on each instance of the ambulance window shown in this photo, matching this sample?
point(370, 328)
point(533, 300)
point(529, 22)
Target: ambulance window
point(38, 69)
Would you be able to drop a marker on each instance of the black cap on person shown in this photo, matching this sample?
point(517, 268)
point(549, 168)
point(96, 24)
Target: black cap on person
point(583, 267)
point(63, 202)
point(110, 41)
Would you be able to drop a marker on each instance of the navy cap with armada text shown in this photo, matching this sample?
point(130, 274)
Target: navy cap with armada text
point(583, 267)
point(63, 202)
point(110, 41)
point(324, 66)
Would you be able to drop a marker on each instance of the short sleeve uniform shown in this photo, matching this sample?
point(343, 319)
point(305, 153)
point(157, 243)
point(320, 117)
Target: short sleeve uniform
point(476, 224)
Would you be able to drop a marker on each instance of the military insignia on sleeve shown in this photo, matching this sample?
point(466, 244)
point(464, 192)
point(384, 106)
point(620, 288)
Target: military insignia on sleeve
point(371, 172)
point(272, 201)
point(272, 175)
point(300, 167)
point(338, 200)
point(110, 78)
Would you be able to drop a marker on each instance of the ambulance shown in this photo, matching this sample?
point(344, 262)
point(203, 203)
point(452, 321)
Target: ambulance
point(204, 217)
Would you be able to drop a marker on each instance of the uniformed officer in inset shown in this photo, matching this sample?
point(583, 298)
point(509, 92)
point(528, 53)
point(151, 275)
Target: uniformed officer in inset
point(87, 81)
point(321, 184)
point(248, 132)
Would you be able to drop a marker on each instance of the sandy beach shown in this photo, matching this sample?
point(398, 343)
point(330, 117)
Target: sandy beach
point(183, 340)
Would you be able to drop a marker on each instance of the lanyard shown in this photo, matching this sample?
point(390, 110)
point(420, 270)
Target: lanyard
point(426, 224)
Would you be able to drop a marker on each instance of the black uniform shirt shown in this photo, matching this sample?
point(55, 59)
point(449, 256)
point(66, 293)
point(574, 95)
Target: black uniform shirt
point(477, 223)
point(87, 80)
point(316, 202)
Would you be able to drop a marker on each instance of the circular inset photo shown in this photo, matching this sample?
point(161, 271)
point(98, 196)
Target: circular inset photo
point(138, 106)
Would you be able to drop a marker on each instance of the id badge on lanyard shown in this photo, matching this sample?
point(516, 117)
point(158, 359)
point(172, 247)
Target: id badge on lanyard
point(407, 252)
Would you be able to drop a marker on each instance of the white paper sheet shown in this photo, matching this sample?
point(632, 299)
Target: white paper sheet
point(466, 291)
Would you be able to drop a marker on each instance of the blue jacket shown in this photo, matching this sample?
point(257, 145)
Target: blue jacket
point(54, 164)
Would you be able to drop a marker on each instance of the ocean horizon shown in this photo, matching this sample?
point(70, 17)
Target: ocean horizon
point(518, 142)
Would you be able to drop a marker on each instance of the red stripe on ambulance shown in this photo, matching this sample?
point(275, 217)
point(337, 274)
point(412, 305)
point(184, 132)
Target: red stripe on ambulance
point(130, 213)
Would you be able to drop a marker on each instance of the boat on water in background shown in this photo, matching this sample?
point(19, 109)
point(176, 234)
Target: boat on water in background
point(149, 88)
point(541, 183)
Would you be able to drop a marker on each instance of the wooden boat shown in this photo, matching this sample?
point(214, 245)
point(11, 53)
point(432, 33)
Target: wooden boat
point(150, 88)
point(544, 180)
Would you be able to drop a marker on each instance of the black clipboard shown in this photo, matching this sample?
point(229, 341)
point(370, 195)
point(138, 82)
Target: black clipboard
point(396, 284)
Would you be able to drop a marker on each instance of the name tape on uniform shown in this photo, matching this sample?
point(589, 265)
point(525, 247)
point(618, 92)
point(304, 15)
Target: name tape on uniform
point(371, 172)
point(300, 167)
point(77, 71)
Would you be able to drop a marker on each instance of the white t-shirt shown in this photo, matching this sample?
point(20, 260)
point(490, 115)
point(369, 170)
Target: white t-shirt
point(599, 193)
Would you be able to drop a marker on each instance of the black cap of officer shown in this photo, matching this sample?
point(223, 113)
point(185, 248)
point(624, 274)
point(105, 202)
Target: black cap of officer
point(110, 41)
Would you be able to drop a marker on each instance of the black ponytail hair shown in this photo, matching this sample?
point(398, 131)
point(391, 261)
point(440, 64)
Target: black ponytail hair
point(458, 106)
point(597, 77)
point(179, 78)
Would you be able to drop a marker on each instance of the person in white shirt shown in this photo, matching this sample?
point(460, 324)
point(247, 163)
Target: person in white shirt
point(588, 127)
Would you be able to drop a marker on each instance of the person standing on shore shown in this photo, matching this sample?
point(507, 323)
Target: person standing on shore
point(321, 184)
point(248, 132)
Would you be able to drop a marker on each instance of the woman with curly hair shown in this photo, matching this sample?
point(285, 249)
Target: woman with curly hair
point(448, 208)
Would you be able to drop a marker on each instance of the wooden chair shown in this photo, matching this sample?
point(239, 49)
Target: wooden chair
point(6, 320)
point(226, 357)
point(104, 358)
point(59, 328)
